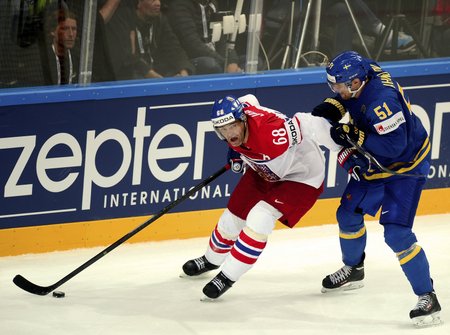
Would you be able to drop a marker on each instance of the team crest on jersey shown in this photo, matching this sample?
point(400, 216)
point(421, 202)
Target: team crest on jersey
point(390, 124)
point(265, 172)
point(262, 169)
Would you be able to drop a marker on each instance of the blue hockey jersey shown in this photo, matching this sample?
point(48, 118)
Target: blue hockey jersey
point(394, 135)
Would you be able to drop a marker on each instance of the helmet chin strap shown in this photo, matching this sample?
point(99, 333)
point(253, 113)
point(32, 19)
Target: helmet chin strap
point(359, 89)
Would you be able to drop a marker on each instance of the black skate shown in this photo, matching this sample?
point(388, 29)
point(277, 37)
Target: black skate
point(197, 266)
point(426, 312)
point(217, 286)
point(346, 278)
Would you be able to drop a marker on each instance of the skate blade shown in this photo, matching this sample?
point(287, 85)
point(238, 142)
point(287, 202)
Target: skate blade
point(183, 275)
point(200, 276)
point(347, 287)
point(207, 299)
point(427, 321)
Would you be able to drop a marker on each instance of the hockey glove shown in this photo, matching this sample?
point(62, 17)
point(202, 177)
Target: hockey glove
point(351, 161)
point(339, 133)
point(236, 163)
point(331, 109)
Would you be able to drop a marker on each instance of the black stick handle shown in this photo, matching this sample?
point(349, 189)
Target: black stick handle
point(28, 286)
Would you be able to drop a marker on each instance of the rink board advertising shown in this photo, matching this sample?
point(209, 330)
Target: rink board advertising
point(82, 160)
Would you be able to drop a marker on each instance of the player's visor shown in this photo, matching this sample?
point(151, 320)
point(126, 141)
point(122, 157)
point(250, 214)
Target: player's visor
point(340, 88)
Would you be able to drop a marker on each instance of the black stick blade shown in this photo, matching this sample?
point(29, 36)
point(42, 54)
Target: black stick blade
point(28, 286)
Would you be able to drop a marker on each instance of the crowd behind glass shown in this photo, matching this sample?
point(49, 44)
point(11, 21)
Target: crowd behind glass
point(56, 42)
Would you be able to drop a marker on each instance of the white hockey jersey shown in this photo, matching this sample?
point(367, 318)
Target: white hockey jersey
point(282, 148)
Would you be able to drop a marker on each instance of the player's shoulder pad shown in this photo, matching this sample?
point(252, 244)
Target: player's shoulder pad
point(249, 99)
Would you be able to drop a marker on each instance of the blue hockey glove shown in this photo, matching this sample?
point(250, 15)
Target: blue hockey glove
point(351, 161)
point(236, 163)
point(340, 132)
point(331, 109)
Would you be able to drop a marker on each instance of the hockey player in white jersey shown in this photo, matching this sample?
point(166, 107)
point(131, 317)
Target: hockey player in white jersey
point(282, 181)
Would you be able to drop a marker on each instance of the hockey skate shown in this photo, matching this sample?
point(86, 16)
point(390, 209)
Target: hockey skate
point(197, 266)
point(345, 279)
point(426, 312)
point(216, 287)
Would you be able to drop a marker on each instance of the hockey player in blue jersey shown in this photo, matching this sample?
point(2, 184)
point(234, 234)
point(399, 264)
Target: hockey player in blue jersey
point(382, 124)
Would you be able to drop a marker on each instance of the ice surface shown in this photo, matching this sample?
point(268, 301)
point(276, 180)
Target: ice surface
point(136, 289)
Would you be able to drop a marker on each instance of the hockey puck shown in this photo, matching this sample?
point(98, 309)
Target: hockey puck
point(59, 294)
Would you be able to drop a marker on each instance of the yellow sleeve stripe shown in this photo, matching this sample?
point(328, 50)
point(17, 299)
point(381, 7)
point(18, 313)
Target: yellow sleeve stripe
point(423, 152)
point(337, 104)
point(352, 236)
point(405, 256)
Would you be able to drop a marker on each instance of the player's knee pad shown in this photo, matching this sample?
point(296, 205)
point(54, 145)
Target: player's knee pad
point(230, 225)
point(398, 237)
point(349, 221)
point(261, 218)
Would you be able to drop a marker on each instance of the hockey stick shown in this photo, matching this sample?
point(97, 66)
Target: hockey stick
point(378, 164)
point(28, 286)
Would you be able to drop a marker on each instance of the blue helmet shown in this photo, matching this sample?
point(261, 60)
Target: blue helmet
point(226, 111)
point(345, 67)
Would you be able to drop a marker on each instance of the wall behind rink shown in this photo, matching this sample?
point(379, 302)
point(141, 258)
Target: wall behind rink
point(82, 166)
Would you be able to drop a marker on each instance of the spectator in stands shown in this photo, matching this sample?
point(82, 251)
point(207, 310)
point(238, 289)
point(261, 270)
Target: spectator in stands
point(107, 9)
point(61, 28)
point(101, 63)
point(44, 35)
point(191, 20)
point(142, 43)
point(32, 27)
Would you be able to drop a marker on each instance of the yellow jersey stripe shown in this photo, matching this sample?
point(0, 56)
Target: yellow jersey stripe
point(420, 156)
